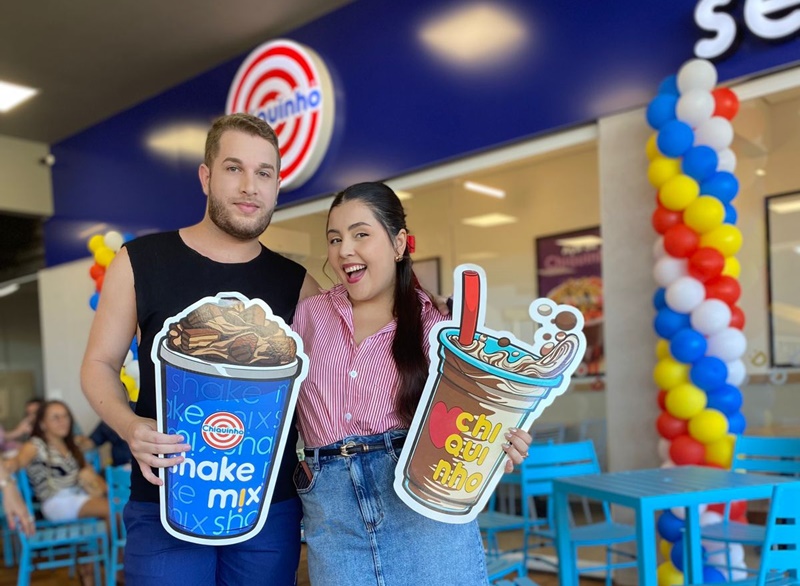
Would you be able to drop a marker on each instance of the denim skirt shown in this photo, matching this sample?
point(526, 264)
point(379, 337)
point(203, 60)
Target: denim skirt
point(359, 532)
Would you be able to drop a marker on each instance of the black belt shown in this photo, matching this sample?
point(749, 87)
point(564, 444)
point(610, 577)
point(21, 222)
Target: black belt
point(352, 448)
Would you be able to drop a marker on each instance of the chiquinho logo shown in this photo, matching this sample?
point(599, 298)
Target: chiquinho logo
point(222, 430)
point(287, 85)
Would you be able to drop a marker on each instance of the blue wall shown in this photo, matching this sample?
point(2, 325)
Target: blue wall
point(399, 108)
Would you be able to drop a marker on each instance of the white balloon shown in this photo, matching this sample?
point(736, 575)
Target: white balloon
point(737, 554)
point(128, 358)
point(680, 512)
point(710, 317)
point(697, 74)
point(727, 345)
point(710, 518)
point(737, 373)
point(727, 161)
point(695, 107)
point(668, 464)
point(658, 248)
point(713, 546)
point(668, 268)
point(685, 294)
point(113, 240)
point(738, 575)
point(715, 132)
point(132, 369)
point(663, 448)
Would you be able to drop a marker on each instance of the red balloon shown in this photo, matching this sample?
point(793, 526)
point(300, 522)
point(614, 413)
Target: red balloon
point(717, 508)
point(737, 317)
point(738, 509)
point(662, 397)
point(681, 241)
point(706, 263)
point(664, 219)
point(96, 271)
point(725, 288)
point(742, 519)
point(726, 103)
point(670, 427)
point(99, 282)
point(686, 450)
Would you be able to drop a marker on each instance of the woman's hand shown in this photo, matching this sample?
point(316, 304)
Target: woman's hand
point(516, 447)
point(92, 482)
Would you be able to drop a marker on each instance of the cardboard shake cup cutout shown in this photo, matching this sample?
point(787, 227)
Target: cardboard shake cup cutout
point(480, 383)
point(228, 373)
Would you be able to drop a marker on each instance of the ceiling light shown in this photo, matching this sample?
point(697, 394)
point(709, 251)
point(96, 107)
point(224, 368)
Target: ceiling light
point(484, 189)
point(403, 195)
point(588, 241)
point(474, 35)
point(489, 220)
point(12, 95)
point(761, 172)
point(186, 139)
point(784, 207)
point(9, 289)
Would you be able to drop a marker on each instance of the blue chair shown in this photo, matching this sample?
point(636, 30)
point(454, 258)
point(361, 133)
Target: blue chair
point(59, 544)
point(492, 522)
point(503, 566)
point(523, 581)
point(764, 455)
point(118, 479)
point(547, 462)
point(780, 557)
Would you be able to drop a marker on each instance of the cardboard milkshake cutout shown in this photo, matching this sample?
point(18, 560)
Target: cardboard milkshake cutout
point(480, 383)
point(228, 372)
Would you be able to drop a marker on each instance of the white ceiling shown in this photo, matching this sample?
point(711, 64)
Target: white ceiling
point(93, 58)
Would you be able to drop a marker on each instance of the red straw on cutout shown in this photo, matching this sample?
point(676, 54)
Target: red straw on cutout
point(470, 303)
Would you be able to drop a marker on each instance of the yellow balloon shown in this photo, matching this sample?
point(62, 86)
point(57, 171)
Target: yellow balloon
point(662, 349)
point(677, 193)
point(670, 373)
point(665, 547)
point(708, 426)
point(732, 267)
point(704, 214)
point(685, 401)
point(96, 242)
point(651, 148)
point(133, 394)
point(669, 575)
point(103, 256)
point(725, 238)
point(720, 452)
point(662, 169)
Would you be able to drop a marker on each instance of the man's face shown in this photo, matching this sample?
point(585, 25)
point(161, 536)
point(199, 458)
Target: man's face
point(242, 184)
point(31, 410)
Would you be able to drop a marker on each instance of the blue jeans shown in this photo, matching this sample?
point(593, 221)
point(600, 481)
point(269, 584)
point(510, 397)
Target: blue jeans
point(152, 556)
point(359, 532)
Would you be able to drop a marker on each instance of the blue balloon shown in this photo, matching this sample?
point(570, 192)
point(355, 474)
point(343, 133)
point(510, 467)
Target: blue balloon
point(128, 236)
point(736, 423)
point(661, 110)
point(675, 138)
point(668, 322)
point(712, 575)
point(688, 345)
point(669, 527)
point(731, 215)
point(726, 399)
point(660, 298)
point(135, 349)
point(676, 554)
point(669, 85)
point(708, 373)
point(722, 185)
point(94, 300)
point(700, 162)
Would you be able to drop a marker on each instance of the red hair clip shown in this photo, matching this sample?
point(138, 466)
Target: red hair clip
point(411, 243)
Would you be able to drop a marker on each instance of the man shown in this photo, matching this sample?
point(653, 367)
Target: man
point(158, 276)
point(17, 514)
point(22, 431)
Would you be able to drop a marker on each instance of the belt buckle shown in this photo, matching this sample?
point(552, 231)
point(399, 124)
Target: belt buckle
point(344, 447)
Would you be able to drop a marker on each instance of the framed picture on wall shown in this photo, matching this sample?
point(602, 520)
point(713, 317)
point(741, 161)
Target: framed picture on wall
point(427, 271)
point(569, 270)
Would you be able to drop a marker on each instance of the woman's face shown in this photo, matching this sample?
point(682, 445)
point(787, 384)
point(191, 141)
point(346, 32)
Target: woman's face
point(56, 421)
point(362, 253)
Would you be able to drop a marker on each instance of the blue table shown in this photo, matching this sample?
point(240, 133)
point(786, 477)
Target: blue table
point(648, 491)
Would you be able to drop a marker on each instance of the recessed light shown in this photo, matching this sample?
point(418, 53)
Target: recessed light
point(761, 172)
point(188, 140)
point(484, 189)
point(489, 220)
point(9, 289)
point(588, 241)
point(403, 195)
point(785, 207)
point(12, 95)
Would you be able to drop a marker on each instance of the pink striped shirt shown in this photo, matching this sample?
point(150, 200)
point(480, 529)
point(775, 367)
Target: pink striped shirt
point(350, 390)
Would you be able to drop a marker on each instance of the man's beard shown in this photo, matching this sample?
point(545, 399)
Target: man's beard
point(241, 230)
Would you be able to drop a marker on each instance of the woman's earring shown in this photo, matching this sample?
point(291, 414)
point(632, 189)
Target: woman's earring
point(398, 258)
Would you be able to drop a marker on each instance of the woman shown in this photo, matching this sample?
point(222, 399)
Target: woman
point(64, 484)
point(367, 343)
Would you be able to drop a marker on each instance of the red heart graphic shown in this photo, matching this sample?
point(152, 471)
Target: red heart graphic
point(442, 423)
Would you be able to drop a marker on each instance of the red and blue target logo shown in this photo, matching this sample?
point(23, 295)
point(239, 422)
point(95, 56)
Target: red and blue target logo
point(287, 85)
point(222, 430)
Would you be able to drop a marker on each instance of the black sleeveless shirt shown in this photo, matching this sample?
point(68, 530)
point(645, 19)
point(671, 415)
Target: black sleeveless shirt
point(169, 277)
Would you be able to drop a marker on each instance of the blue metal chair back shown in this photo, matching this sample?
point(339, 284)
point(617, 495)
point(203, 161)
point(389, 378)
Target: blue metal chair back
point(781, 553)
point(767, 455)
point(118, 479)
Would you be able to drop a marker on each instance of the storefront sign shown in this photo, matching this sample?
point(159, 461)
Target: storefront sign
point(287, 85)
point(767, 19)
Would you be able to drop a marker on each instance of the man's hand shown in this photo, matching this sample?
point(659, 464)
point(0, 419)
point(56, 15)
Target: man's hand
point(17, 513)
point(147, 445)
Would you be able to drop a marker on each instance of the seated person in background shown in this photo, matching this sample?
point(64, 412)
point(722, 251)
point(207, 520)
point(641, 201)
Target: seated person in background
point(61, 480)
point(102, 434)
point(22, 431)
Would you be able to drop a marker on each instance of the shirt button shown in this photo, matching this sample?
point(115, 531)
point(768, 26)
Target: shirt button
point(348, 416)
point(353, 374)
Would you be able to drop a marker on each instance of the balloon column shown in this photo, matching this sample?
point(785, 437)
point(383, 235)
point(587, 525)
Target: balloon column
point(698, 321)
point(104, 248)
